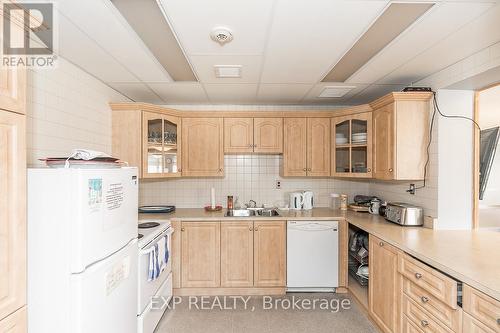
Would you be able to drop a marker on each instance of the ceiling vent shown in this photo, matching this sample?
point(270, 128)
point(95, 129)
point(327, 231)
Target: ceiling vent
point(227, 71)
point(335, 91)
point(221, 35)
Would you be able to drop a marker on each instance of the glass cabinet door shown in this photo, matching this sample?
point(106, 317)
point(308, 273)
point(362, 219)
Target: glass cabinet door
point(161, 148)
point(352, 153)
point(153, 160)
point(171, 156)
point(342, 129)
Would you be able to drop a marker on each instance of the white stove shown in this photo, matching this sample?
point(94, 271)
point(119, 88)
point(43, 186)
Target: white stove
point(153, 233)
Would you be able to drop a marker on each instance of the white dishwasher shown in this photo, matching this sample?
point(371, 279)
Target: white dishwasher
point(312, 256)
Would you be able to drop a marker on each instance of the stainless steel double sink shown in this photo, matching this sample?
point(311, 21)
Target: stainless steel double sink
point(261, 212)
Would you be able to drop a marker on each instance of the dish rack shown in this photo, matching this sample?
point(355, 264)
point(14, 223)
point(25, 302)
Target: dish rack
point(353, 266)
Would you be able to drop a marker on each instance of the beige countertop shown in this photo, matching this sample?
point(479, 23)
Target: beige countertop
point(468, 256)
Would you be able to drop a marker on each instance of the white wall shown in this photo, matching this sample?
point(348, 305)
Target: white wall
point(248, 177)
point(67, 109)
point(456, 151)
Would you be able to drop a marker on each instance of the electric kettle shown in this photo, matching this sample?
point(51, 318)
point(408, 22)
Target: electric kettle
point(308, 200)
point(296, 200)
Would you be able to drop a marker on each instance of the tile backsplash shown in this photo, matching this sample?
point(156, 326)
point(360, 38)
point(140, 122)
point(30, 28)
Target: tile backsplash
point(246, 177)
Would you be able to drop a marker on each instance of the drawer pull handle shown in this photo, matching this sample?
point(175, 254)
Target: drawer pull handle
point(381, 244)
point(418, 275)
point(182, 229)
point(424, 323)
point(424, 299)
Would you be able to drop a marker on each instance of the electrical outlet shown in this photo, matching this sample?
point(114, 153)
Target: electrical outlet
point(278, 184)
point(412, 190)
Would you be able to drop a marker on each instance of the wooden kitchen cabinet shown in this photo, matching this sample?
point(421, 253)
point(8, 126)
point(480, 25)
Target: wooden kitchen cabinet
point(15, 323)
point(12, 212)
point(270, 253)
point(236, 253)
point(238, 135)
point(318, 147)
point(203, 147)
point(200, 254)
point(295, 147)
point(13, 79)
point(253, 135)
point(400, 136)
point(352, 146)
point(150, 141)
point(268, 135)
point(384, 294)
point(306, 149)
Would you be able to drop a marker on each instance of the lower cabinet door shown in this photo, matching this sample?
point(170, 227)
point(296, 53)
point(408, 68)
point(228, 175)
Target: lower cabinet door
point(270, 253)
point(15, 323)
point(236, 253)
point(471, 325)
point(12, 212)
point(383, 290)
point(200, 254)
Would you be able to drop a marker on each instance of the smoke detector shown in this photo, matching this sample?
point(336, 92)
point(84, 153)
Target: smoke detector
point(221, 35)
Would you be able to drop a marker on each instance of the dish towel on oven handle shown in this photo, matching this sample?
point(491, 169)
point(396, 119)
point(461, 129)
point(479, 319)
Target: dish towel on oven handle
point(158, 258)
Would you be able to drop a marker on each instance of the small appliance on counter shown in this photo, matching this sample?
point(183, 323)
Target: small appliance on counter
point(156, 209)
point(404, 214)
point(308, 200)
point(296, 200)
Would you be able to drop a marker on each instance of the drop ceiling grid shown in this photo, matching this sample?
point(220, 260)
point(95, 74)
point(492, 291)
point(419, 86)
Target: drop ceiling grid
point(463, 41)
point(137, 53)
point(396, 54)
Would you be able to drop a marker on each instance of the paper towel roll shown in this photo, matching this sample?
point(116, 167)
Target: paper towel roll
point(212, 198)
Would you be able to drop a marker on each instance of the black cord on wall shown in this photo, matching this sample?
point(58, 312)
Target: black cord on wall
point(438, 110)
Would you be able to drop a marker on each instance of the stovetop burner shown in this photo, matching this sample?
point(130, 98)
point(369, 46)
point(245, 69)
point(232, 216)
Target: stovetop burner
point(140, 236)
point(147, 225)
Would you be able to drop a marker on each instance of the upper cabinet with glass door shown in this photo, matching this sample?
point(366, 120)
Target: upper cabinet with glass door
point(161, 145)
point(352, 146)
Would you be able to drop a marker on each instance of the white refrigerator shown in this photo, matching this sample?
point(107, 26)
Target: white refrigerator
point(82, 250)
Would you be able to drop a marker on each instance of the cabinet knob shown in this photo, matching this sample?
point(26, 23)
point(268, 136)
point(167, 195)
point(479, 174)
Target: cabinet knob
point(424, 323)
point(255, 146)
point(182, 229)
point(418, 275)
point(220, 170)
point(424, 299)
point(250, 228)
point(256, 229)
point(381, 244)
point(250, 146)
point(179, 170)
point(390, 170)
point(305, 169)
point(368, 170)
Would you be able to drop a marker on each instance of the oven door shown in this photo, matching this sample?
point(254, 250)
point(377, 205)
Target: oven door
point(148, 289)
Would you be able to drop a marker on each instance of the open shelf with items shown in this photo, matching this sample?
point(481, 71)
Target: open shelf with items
point(351, 142)
point(358, 256)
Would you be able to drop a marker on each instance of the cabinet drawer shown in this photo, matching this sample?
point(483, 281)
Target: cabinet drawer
point(425, 322)
point(446, 315)
point(409, 326)
point(435, 283)
point(482, 307)
point(472, 325)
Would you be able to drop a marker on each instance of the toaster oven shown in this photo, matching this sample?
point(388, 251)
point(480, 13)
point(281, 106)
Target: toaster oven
point(404, 214)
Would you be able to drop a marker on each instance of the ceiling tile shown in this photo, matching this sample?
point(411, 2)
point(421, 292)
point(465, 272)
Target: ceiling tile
point(282, 93)
point(439, 22)
point(76, 47)
point(112, 33)
point(138, 92)
point(180, 92)
point(308, 37)
point(204, 68)
point(473, 37)
point(193, 21)
point(231, 93)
